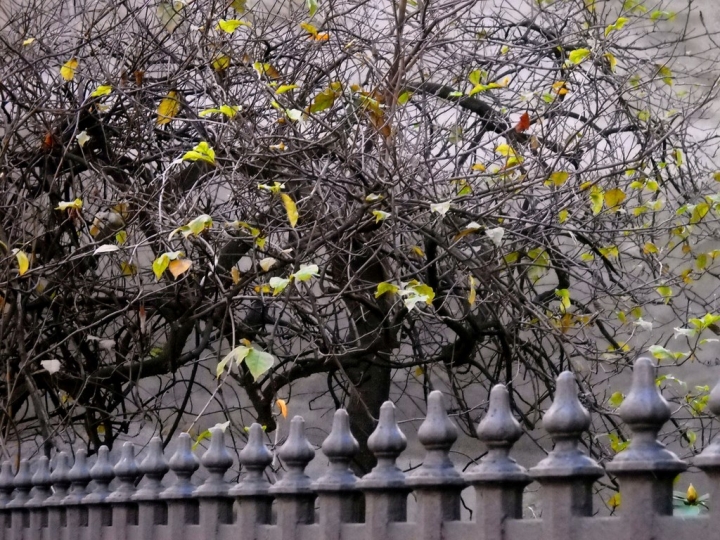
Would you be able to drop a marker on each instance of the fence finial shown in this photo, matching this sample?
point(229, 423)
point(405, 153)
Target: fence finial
point(645, 411)
point(296, 453)
point(254, 458)
point(127, 472)
point(23, 485)
point(340, 447)
point(60, 480)
point(437, 434)
point(565, 421)
point(41, 482)
point(387, 442)
point(217, 461)
point(709, 459)
point(102, 474)
point(153, 468)
point(79, 477)
point(183, 463)
point(499, 430)
point(6, 483)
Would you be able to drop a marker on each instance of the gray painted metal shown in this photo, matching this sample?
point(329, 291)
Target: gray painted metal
point(36, 504)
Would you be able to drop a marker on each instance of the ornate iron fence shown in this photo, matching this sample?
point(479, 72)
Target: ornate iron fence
point(61, 505)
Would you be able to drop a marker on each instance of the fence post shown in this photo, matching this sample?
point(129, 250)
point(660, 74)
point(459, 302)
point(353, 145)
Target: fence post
point(709, 463)
point(293, 493)
point(181, 510)
point(79, 477)
point(384, 487)
point(337, 488)
point(498, 480)
point(437, 483)
point(215, 503)
point(99, 512)
point(646, 468)
point(566, 474)
point(41, 491)
point(151, 512)
point(6, 488)
point(60, 484)
point(127, 472)
point(252, 492)
point(23, 485)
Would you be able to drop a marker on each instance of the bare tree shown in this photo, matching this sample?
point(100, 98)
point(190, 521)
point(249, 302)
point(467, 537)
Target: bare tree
point(383, 196)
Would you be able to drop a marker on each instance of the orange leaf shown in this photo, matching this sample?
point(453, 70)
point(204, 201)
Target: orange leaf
point(524, 123)
point(179, 266)
point(282, 405)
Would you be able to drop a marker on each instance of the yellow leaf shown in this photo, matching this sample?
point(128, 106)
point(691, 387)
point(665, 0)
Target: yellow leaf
point(179, 266)
point(235, 274)
point(473, 293)
point(596, 200)
point(505, 150)
point(201, 152)
point(666, 74)
point(479, 167)
point(121, 237)
point(28, 41)
point(290, 208)
point(285, 88)
point(649, 247)
point(614, 197)
point(558, 178)
point(691, 495)
point(168, 109)
point(102, 90)
point(128, 269)
point(612, 61)
point(22, 259)
point(614, 501)
point(221, 62)
point(72, 205)
point(160, 264)
point(230, 25)
point(578, 55)
point(309, 28)
point(67, 71)
point(386, 287)
point(417, 250)
point(282, 406)
point(563, 216)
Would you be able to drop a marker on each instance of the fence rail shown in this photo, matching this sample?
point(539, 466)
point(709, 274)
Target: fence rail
point(59, 505)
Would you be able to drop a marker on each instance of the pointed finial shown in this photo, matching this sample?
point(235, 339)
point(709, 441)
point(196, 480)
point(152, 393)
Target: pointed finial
point(101, 474)
point(60, 480)
point(127, 472)
point(499, 430)
point(41, 482)
point(387, 442)
point(645, 411)
point(79, 477)
point(709, 459)
point(254, 459)
point(340, 448)
point(565, 421)
point(296, 453)
point(153, 468)
point(437, 434)
point(183, 463)
point(7, 483)
point(23, 485)
point(217, 461)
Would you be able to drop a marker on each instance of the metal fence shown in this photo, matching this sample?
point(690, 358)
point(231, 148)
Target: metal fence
point(77, 503)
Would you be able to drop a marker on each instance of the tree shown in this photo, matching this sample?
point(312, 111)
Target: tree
point(384, 197)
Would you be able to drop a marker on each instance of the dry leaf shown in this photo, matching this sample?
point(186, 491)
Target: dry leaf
point(282, 406)
point(179, 266)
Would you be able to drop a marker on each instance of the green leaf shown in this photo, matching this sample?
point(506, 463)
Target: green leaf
point(662, 16)
point(579, 55)
point(616, 399)
point(201, 152)
point(196, 226)
point(564, 295)
point(312, 6)
point(306, 272)
point(283, 88)
point(617, 25)
point(404, 97)
point(666, 292)
point(160, 264)
point(258, 362)
point(279, 284)
point(238, 354)
point(380, 215)
point(386, 287)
